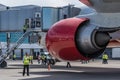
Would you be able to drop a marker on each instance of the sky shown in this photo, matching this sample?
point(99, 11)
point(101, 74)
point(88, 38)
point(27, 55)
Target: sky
point(53, 3)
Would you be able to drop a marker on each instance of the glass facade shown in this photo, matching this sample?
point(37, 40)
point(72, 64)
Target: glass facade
point(14, 36)
point(50, 16)
point(3, 37)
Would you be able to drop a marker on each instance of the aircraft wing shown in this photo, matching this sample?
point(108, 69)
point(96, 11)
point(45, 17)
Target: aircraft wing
point(103, 5)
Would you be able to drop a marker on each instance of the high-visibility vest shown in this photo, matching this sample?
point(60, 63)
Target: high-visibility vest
point(24, 27)
point(31, 57)
point(26, 60)
point(105, 56)
point(43, 57)
point(14, 56)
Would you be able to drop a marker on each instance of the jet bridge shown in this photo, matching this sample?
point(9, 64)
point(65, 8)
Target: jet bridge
point(14, 18)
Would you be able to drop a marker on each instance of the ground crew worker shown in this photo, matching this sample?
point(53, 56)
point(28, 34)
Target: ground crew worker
point(43, 57)
point(39, 59)
point(105, 58)
point(68, 65)
point(25, 28)
point(39, 40)
point(26, 64)
point(31, 59)
point(14, 57)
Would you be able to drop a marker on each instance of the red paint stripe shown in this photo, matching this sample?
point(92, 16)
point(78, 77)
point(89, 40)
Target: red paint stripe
point(86, 2)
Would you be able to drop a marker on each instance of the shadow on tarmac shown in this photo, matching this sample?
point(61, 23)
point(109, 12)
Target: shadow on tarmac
point(66, 75)
point(74, 73)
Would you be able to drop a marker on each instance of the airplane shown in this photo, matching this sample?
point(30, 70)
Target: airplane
point(85, 36)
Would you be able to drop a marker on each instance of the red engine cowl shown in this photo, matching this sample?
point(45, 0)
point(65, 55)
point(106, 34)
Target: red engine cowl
point(60, 39)
point(75, 39)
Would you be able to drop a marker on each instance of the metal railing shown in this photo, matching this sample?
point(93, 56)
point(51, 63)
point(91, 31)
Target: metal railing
point(17, 44)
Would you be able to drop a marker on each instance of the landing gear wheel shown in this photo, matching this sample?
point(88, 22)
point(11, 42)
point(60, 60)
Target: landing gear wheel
point(3, 64)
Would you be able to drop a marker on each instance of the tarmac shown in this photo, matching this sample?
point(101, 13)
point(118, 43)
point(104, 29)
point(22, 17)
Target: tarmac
point(94, 70)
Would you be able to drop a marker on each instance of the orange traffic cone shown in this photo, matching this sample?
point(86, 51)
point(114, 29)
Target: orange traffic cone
point(49, 67)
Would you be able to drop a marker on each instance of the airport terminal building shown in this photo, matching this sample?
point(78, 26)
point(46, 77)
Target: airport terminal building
point(12, 20)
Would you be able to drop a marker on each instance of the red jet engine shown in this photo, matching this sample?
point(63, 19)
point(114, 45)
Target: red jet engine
point(76, 39)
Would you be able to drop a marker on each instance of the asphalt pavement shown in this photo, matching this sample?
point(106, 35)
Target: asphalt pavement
point(94, 70)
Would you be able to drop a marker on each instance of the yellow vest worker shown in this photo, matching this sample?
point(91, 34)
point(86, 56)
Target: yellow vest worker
point(105, 58)
point(14, 57)
point(26, 61)
point(31, 59)
point(25, 28)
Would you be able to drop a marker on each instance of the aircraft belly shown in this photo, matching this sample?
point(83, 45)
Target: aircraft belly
point(108, 6)
point(109, 20)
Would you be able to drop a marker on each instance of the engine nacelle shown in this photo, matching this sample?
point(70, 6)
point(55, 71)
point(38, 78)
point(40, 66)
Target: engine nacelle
point(75, 39)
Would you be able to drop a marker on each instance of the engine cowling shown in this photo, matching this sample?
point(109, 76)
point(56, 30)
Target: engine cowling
point(75, 39)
